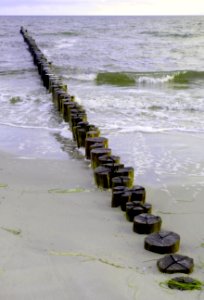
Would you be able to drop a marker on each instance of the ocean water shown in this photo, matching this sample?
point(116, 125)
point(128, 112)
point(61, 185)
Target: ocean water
point(140, 79)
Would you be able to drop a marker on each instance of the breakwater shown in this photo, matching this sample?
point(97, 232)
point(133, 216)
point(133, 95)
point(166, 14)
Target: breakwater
point(109, 172)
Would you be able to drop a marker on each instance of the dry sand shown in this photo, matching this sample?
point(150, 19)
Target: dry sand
point(60, 239)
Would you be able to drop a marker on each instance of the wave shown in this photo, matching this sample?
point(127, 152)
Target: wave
point(176, 107)
point(168, 34)
point(22, 126)
point(67, 33)
point(180, 77)
point(83, 77)
point(154, 78)
point(115, 78)
point(17, 72)
point(177, 77)
point(149, 129)
point(188, 76)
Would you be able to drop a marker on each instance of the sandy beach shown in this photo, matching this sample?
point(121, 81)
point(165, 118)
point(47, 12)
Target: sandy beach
point(60, 238)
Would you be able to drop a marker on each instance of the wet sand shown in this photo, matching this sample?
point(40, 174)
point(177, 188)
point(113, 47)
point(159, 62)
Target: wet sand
point(60, 238)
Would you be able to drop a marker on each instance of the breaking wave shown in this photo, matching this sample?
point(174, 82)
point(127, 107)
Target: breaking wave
point(188, 76)
point(182, 77)
point(115, 78)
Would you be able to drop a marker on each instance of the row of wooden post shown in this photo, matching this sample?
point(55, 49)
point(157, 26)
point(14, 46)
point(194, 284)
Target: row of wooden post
point(109, 171)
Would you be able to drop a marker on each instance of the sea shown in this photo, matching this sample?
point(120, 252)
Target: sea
point(139, 78)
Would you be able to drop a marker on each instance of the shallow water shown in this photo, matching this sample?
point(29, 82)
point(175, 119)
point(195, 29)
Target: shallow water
point(140, 80)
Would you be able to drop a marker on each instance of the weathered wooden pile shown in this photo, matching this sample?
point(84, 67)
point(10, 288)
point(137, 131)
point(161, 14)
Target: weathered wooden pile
point(109, 171)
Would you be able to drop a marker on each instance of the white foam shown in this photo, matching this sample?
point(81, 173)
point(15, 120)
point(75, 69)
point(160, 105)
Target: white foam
point(66, 133)
point(30, 127)
point(66, 43)
point(155, 80)
point(148, 129)
point(81, 77)
point(27, 157)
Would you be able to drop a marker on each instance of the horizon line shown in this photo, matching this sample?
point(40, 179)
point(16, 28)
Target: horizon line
point(97, 15)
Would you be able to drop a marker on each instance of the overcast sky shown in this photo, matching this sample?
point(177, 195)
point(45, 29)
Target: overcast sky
point(101, 7)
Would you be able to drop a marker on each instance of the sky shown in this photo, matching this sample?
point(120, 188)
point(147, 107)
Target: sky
point(101, 7)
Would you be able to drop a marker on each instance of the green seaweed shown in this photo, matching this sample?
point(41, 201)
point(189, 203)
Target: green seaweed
point(104, 261)
point(67, 191)
point(12, 230)
point(89, 257)
point(15, 100)
point(56, 253)
point(175, 283)
point(3, 185)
